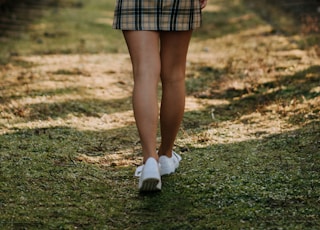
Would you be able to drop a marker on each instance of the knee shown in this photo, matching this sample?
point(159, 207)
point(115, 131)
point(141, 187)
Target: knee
point(144, 73)
point(173, 77)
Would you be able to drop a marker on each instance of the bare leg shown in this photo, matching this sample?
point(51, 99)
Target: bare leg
point(174, 48)
point(144, 51)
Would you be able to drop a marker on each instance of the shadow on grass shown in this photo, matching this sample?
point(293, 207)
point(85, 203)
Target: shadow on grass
point(255, 183)
point(283, 91)
point(267, 183)
point(16, 16)
point(70, 142)
point(288, 16)
point(22, 93)
point(285, 17)
point(81, 107)
point(91, 107)
point(231, 18)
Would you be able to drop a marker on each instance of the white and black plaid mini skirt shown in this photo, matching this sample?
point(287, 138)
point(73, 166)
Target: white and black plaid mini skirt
point(158, 15)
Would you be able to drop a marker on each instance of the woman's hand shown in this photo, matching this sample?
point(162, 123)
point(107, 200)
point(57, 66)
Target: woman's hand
point(203, 3)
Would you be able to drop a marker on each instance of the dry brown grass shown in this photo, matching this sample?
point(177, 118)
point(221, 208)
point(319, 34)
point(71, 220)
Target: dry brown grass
point(249, 138)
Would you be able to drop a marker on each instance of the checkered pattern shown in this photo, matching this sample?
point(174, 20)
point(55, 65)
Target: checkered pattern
point(159, 15)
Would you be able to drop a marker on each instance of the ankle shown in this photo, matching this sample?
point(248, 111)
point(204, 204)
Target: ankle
point(167, 153)
point(155, 156)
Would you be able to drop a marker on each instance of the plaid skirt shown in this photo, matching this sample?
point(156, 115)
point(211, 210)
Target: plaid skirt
point(158, 15)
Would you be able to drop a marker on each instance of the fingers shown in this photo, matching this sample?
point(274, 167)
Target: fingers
point(203, 3)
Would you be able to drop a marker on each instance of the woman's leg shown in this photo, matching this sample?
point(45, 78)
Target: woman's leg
point(144, 51)
point(174, 48)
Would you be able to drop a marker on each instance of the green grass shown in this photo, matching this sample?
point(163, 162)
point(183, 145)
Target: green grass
point(231, 18)
point(69, 29)
point(267, 181)
point(261, 184)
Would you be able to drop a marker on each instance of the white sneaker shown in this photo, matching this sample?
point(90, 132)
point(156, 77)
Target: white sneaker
point(150, 179)
point(169, 165)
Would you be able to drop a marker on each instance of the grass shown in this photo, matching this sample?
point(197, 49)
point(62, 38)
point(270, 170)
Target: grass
point(261, 184)
point(69, 146)
point(77, 28)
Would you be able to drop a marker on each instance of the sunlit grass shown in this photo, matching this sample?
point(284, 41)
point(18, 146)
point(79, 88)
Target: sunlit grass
point(69, 145)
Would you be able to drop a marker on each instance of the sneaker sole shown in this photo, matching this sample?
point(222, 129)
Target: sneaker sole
point(149, 185)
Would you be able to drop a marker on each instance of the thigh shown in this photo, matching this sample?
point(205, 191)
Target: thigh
point(174, 47)
point(144, 51)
